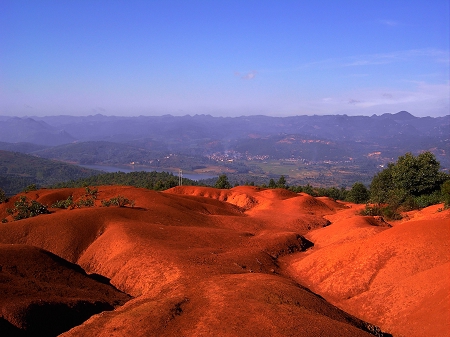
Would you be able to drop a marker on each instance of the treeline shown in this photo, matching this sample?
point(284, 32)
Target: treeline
point(151, 180)
point(357, 194)
point(15, 184)
point(412, 182)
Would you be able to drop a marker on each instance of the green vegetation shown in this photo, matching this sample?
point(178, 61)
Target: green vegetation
point(281, 183)
point(222, 182)
point(330, 192)
point(64, 204)
point(119, 201)
point(93, 193)
point(91, 196)
point(20, 171)
point(445, 190)
point(358, 194)
point(88, 202)
point(412, 182)
point(387, 211)
point(24, 208)
point(29, 188)
point(151, 180)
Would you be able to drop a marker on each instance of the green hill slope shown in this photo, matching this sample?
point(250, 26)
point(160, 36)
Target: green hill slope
point(18, 170)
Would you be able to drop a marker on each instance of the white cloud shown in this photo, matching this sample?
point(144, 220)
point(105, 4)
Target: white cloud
point(433, 55)
point(430, 54)
point(390, 23)
point(358, 75)
point(248, 76)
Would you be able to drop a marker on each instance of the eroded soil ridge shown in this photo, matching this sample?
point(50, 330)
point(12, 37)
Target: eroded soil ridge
point(194, 261)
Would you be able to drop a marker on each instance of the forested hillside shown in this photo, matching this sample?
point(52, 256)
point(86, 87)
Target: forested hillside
point(18, 170)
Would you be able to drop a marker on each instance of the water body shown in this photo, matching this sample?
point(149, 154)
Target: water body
point(128, 169)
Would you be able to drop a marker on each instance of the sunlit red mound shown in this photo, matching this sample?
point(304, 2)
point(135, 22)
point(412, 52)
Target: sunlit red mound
point(397, 278)
point(204, 262)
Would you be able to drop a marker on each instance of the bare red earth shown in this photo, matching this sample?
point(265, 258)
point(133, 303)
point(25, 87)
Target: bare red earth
point(45, 295)
point(398, 278)
point(208, 262)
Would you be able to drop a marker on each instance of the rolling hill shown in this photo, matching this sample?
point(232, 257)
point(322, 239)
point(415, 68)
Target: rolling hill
point(200, 261)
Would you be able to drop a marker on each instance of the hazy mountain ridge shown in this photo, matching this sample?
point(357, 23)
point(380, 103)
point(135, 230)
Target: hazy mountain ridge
point(22, 147)
point(29, 130)
point(99, 127)
point(191, 141)
point(333, 127)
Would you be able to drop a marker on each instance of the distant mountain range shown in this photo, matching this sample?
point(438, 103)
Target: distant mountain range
point(56, 130)
point(191, 142)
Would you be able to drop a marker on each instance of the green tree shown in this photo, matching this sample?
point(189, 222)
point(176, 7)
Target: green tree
point(309, 190)
point(222, 182)
point(272, 183)
point(445, 190)
point(410, 177)
point(358, 194)
point(417, 175)
point(332, 193)
point(381, 185)
point(281, 182)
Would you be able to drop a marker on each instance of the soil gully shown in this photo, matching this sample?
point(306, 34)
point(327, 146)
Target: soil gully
point(198, 266)
point(45, 295)
point(284, 273)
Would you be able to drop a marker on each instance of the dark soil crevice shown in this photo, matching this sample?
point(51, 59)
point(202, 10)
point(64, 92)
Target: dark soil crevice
point(45, 295)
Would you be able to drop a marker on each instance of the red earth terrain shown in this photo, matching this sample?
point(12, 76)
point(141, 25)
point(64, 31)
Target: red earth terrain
point(198, 261)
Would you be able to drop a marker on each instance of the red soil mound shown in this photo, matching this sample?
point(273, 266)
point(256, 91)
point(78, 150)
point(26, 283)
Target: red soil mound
point(385, 275)
point(272, 207)
point(202, 261)
point(44, 295)
point(228, 305)
point(239, 197)
point(347, 230)
point(333, 204)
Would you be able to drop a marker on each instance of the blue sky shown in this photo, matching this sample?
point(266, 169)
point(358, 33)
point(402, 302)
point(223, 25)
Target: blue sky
point(224, 58)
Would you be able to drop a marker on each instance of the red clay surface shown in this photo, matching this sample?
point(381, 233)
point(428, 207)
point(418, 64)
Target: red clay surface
point(208, 262)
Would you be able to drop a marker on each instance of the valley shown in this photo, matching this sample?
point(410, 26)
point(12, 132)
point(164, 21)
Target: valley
point(323, 151)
